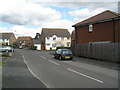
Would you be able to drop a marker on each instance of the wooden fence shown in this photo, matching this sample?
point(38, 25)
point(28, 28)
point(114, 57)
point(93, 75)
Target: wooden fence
point(102, 51)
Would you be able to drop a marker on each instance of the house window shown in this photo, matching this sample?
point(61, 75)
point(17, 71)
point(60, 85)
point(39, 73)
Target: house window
point(54, 38)
point(68, 44)
point(53, 45)
point(90, 28)
point(62, 38)
point(62, 45)
point(68, 38)
point(48, 44)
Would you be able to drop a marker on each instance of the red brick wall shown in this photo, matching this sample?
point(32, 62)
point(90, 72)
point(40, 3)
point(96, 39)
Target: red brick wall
point(117, 31)
point(101, 32)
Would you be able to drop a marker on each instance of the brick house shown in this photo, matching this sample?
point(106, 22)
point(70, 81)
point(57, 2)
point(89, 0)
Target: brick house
point(25, 41)
point(54, 37)
point(73, 37)
point(104, 27)
point(7, 38)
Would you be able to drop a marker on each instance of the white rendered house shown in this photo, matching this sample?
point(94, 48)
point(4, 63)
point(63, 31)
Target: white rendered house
point(54, 38)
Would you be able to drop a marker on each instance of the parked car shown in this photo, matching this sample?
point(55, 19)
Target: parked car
point(10, 49)
point(63, 54)
point(7, 48)
point(20, 47)
point(4, 51)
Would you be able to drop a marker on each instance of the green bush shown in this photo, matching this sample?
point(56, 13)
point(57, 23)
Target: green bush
point(15, 45)
point(34, 47)
point(62, 48)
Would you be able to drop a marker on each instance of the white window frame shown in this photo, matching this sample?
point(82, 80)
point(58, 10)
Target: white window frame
point(90, 28)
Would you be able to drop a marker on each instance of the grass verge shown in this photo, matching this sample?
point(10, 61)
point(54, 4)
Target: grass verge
point(2, 63)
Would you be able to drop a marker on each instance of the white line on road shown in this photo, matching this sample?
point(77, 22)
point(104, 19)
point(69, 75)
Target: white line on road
point(85, 75)
point(43, 57)
point(33, 72)
point(54, 62)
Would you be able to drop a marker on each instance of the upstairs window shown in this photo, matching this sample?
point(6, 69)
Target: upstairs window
point(54, 38)
point(68, 38)
point(90, 28)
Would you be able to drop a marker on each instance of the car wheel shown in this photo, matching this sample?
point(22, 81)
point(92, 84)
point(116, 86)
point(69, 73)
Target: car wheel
point(54, 57)
point(60, 58)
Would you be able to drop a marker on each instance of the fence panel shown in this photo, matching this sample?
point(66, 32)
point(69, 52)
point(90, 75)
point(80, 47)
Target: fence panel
point(102, 51)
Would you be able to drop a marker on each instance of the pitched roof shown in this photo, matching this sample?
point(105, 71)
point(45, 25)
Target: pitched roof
point(5, 35)
point(24, 38)
point(99, 17)
point(48, 32)
point(36, 41)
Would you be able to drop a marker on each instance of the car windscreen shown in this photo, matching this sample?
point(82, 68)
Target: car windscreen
point(67, 52)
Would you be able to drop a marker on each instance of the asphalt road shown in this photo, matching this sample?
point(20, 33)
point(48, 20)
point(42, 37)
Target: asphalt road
point(36, 69)
point(15, 74)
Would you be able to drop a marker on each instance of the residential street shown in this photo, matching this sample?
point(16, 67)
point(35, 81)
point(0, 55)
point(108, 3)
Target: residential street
point(15, 74)
point(38, 69)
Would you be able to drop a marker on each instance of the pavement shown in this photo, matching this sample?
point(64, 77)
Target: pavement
point(101, 63)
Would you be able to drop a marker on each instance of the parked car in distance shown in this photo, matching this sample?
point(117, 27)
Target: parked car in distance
point(4, 51)
point(20, 47)
point(63, 54)
point(10, 49)
point(7, 48)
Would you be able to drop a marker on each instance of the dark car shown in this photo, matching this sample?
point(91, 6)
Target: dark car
point(63, 54)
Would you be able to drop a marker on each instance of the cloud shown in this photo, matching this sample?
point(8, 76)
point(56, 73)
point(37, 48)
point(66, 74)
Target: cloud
point(39, 13)
point(113, 4)
point(19, 30)
point(82, 14)
point(61, 24)
point(22, 12)
point(73, 0)
point(23, 31)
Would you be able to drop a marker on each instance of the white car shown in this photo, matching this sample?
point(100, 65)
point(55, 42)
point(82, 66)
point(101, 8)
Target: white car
point(20, 47)
point(10, 49)
point(3, 51)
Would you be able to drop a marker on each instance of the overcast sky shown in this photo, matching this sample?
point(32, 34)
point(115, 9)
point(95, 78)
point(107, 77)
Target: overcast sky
point(28, 17)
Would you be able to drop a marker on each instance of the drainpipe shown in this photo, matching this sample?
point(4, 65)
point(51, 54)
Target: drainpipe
point(118, 31)
point(76, 41)
point(113, 31)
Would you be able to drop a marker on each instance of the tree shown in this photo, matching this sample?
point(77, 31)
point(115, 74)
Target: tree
point(37, 36)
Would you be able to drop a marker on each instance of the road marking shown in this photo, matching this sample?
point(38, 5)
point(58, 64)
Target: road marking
point(33, 72)
point(43, 57)
point(85, 75)
point(54, 62)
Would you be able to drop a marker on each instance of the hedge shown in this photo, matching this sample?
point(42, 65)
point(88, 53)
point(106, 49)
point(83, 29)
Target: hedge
point(62, 48)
